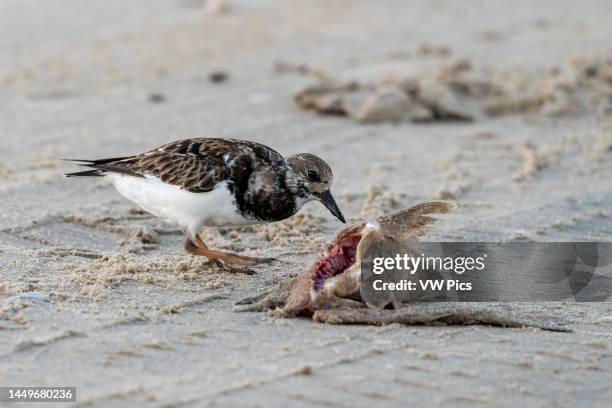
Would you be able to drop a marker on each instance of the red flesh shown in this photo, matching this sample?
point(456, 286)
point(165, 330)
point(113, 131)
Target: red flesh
point(338, 258)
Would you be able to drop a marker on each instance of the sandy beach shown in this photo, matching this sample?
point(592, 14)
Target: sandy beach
point(97, 294)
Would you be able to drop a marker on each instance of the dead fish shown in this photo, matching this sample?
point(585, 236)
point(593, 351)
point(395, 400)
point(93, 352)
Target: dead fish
point(329, 290)
point(333, 280)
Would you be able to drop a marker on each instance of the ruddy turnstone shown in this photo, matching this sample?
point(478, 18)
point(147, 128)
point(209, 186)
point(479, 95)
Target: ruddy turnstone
point(218, 182)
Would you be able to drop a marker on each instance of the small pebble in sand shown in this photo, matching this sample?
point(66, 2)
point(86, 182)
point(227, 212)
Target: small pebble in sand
point(218, 76)
point(157, 98)
point(306, 370)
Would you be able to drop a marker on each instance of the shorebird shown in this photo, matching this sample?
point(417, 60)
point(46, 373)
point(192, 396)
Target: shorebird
point(210, 182)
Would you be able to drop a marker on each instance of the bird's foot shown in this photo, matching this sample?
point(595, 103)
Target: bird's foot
point(228, 258)
point(257, 261)
point(225, 260)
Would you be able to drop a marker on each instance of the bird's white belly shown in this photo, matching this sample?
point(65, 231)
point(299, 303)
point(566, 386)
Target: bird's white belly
point(190, 211)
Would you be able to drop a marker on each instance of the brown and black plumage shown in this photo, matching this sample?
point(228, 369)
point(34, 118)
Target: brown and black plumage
point(218, 182)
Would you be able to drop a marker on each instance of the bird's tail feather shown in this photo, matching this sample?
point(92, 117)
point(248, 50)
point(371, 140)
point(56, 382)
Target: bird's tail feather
point(87, 173)
point(100, 167)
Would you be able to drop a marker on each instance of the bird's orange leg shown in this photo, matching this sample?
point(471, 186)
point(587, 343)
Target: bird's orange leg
point(231, 257)
point(222, 259)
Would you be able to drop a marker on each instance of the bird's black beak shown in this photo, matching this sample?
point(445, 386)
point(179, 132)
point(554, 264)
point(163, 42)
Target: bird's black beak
point(328, 201)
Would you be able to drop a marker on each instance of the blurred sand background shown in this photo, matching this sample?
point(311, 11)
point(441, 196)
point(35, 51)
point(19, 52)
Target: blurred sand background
point(96, 294)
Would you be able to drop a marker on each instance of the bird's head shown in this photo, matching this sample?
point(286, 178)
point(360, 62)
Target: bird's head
point(310, 178)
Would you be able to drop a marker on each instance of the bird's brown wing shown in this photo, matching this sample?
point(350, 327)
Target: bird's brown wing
point(195, 165)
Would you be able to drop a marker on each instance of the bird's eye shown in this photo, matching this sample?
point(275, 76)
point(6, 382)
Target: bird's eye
point(313, 175)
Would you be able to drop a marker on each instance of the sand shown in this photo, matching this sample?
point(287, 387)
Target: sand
point(98, 295)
